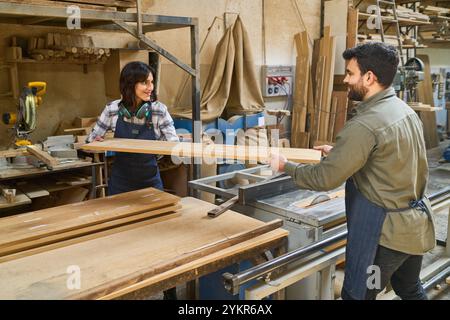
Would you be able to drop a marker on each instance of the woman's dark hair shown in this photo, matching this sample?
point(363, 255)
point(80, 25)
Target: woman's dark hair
point(380, 58)
point(131, 74)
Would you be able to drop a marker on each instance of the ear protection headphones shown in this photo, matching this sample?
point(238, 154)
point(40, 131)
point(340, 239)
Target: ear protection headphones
point(141, 113)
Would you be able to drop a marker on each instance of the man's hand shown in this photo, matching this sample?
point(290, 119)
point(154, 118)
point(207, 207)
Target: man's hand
point(277, 162)
point(324, 148)
point(98, 138)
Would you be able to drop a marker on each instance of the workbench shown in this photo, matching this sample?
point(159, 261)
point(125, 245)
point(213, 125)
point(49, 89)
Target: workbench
point(123, 255)
point(13, 174)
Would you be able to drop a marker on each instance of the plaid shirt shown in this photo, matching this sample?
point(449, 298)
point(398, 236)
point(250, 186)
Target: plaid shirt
point(161, 119)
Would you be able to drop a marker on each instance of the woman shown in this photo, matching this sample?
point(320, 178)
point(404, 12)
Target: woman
point(138, 115)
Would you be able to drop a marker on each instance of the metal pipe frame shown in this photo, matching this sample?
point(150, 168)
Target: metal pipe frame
point(233, 282)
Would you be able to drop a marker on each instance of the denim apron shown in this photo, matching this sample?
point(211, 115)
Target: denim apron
point(134, 171)
point(364, 224)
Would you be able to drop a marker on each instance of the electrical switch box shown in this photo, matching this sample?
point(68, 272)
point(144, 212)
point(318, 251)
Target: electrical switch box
point(277, 80)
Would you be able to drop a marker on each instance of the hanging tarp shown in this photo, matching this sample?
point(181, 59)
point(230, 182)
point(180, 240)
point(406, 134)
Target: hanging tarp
point(232, 83)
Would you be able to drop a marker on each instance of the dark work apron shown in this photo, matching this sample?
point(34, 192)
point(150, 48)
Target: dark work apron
point(134, 171)
point(364, 224)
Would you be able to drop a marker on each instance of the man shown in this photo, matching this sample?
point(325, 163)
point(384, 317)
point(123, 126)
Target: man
point(380, 154)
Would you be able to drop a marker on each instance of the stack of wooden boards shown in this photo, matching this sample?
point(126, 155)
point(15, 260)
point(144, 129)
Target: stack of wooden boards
point(116, 257)
point(439, 30)
point(319, 113)
point(58, 47)
point(199, 150)
point(102, 5)
point(38, 231)
point(405, 13)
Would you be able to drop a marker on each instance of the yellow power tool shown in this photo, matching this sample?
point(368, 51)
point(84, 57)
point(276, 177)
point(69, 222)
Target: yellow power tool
point(24, 121)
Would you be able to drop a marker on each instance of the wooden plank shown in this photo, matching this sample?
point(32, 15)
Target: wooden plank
point(94, 230)
point(216, 151)
point(119, 227)
point(341, 111)
point(43, 156)
point(32, 190)
point(334, 103)
point(319, 83)
point(11, 153)
point(419, 106)
point(352, 27)
point(425, 93)
point(328, 46)
point(37, 224)
point(197, 253)
point(18, 173)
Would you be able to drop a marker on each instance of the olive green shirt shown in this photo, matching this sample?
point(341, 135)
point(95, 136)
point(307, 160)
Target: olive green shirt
point(383, 150)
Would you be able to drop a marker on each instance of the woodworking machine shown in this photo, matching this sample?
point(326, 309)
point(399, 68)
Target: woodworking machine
point(24, 121)
point(309, 216)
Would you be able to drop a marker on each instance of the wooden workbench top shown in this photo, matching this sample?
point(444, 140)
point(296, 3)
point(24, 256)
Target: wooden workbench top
point(10, 173)
point(105, 259)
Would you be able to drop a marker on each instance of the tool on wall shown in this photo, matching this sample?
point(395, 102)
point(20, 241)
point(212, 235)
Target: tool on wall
point(24, 121)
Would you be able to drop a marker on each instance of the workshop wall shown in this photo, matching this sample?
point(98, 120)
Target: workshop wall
point(72, 93)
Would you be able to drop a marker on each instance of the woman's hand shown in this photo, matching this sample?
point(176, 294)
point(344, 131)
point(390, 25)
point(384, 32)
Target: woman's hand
point(326, 149)
point(98, 138)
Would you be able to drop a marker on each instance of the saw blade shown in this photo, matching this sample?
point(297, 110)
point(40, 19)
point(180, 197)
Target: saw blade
point(319, 199)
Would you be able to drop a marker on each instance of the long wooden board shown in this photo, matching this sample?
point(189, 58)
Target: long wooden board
point(184, 258)
point(94, 229)
point(34, 225)
point(106, 259)
point(43, 156)
point(215, 151)
point(98, 234)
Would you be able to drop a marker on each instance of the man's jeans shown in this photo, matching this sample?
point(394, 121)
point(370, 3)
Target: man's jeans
point(402, 270)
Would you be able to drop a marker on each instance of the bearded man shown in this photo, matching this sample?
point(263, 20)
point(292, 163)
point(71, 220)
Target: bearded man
point(380, 154)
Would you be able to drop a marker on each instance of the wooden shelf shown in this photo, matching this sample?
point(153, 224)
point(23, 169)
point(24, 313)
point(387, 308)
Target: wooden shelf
point(81, 62)
point(402, 21)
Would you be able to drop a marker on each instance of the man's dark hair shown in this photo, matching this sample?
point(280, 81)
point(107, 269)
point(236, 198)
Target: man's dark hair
point(131, 74)
point(378, 57)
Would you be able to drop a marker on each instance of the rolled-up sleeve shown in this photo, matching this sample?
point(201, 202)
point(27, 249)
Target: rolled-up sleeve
point(353, 146)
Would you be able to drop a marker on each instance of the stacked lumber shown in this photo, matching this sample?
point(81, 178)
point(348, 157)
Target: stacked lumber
point(198, 150)
point(43, 230)
point(405, 13)
point(433, 11)
point(66, 47)
point(319, 113)
point(303, 103)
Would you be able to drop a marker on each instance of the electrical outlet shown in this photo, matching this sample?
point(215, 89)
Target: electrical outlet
point(277, 80)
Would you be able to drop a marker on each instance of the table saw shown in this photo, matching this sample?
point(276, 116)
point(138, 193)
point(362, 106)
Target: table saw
point(266, 200)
